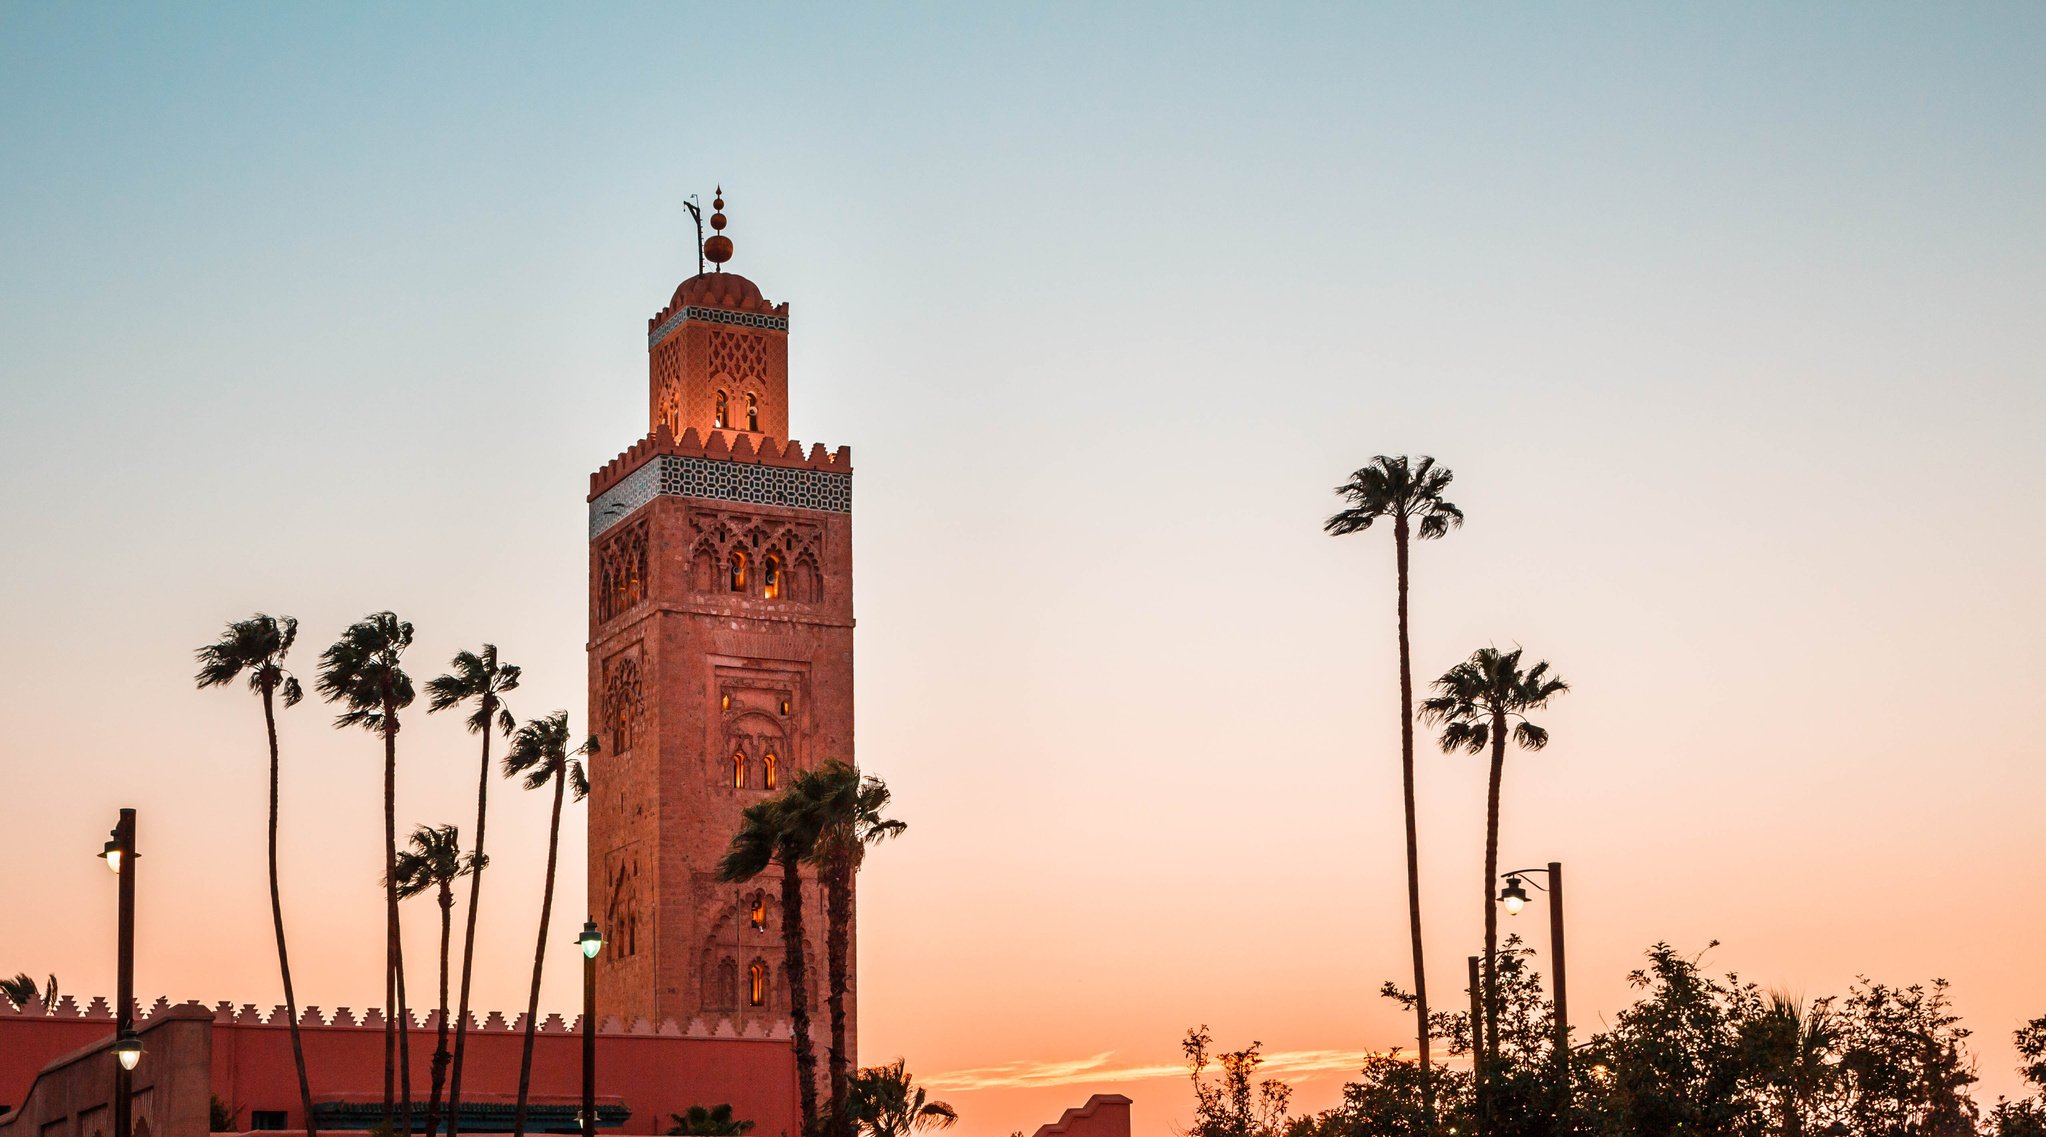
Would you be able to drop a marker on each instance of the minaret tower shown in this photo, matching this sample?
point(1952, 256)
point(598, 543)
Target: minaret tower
point(721, 637)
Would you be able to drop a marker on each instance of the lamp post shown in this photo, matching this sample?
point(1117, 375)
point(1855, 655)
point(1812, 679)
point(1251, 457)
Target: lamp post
point(121, 857)
point(591, 941)
point(1514, 898)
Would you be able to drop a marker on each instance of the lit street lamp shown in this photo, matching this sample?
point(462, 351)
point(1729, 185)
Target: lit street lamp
point(1513, 898)
point(591, 941)
point(121, 857)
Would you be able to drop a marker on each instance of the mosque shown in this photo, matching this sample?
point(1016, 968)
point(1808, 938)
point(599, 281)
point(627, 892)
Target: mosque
point(720, 664)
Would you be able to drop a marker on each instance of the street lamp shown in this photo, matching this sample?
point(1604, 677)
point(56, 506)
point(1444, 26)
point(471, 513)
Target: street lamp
point(122, 858)
point(591, 941)
point(1514, 897)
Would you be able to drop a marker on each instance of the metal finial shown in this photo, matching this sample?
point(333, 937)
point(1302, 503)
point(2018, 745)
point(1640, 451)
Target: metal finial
point(718, 249)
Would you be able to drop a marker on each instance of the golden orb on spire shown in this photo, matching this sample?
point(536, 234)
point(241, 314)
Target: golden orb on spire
point(717, 249)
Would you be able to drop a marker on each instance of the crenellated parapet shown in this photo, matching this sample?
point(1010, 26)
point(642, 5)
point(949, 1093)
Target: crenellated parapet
point(226, 1013)
point(725, 466)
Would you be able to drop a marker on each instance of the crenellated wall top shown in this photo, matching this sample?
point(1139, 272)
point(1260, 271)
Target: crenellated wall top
point(788, 455)
point(342, 1018)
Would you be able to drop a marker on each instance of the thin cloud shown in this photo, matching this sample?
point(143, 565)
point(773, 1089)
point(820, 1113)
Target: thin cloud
point(1296, 1065)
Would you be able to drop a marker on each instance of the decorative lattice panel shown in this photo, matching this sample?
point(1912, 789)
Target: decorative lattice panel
point(716, 479)
point(715, 316)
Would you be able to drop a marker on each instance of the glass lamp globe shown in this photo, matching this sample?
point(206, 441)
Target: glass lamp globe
point(590, 939)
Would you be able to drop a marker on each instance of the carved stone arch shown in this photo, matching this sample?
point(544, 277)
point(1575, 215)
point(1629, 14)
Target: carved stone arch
point(703, 566)
point(806, 579)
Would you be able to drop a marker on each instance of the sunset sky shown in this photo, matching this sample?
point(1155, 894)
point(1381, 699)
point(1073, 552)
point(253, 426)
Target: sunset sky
point(1730, 319)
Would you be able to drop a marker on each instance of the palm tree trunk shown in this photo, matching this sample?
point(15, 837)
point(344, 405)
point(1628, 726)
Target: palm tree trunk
point(390, 913)
point(539, 958)
point(1492, 909)
point(837, 947)
point(398, 1016)
point(440, 1052)
point(469, 935)
point(305, 1090)
point(794, 966)
point(1400, 535)
point(404, 1046)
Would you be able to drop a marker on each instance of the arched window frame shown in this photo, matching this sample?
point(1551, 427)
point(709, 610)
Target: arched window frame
point(736, 565)
point(769, 776)
point(752, 413)
point(723, 415)
point(770, 577)
point(756, 983)
point(738, 769)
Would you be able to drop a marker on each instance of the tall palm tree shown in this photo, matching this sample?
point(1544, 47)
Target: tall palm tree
point(362, 672)
point(477, 676)
point(1410, 493)
point(1483, 700)
point(848, 807)
point(782, 831)
point(257, 646)
point(541, 753)
point(434, 862)
point(887, 1102)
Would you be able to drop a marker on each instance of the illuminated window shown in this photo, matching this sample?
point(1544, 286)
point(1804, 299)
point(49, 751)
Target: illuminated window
point(770, 577)
point(738, 769)
point(752, 413)
point(725, 703)
point(784, 708)
point(738, 569)
point(756, 977)
point(767, 770)
point(723, 418)
point(759, 912)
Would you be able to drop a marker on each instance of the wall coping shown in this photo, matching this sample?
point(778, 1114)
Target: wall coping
point(342, 1018)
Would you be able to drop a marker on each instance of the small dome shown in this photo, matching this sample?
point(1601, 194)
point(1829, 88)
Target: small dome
point(727, 290)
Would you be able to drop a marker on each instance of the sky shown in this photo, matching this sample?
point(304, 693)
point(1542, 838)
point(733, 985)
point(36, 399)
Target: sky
point(1727, 318)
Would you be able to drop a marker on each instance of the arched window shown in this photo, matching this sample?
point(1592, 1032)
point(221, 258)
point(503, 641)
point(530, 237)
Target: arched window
point(759, 916)
point(767, 765)
point(770, 577)
point(752, 413)
point(739, 769)
point(784, 708)
point(756, 979)
point(723, 418)
point(738, 568)
point(724, 992)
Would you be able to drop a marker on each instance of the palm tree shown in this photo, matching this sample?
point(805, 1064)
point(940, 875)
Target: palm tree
point(361, 672)
point(781, 830)
point(1791, 1046)
point(886, 1102)
point(848, 808)
point(1411, 494)
point(258, 646)
point(433, 862)
point(22, 988)
point(716, 1121)
point(540, 751)
point(1482, 700)
point(481, 677)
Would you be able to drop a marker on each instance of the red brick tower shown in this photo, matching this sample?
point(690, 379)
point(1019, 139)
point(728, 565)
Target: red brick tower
point(721, 636)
